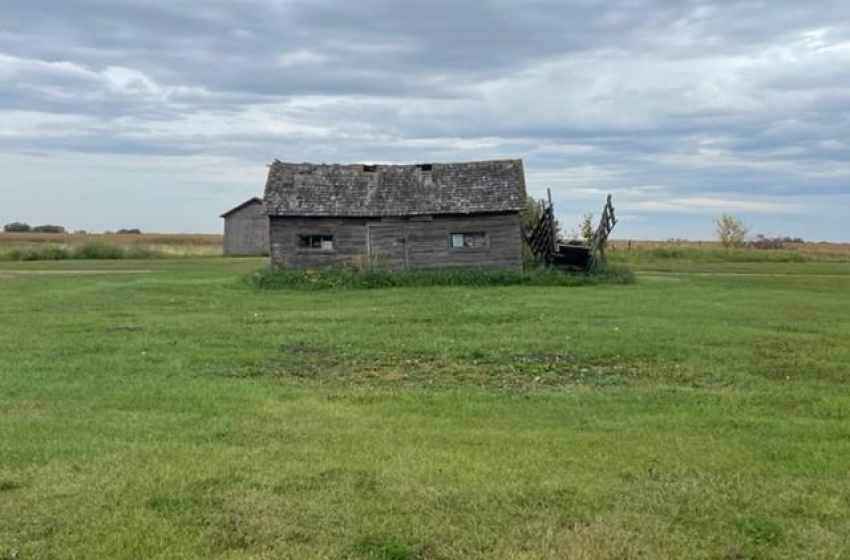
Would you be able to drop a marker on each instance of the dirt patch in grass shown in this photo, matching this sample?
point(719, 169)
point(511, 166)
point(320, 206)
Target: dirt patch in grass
point(785, 359)
point(305, 362)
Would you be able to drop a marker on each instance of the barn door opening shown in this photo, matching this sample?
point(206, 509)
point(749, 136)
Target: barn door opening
point(387, 245)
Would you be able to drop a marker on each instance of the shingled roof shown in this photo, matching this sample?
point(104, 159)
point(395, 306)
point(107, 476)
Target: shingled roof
point(306, 189)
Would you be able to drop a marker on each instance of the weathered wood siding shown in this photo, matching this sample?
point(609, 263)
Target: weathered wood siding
point(246, 231)
point(429, 243)
point(399, 243)
point(349, 241)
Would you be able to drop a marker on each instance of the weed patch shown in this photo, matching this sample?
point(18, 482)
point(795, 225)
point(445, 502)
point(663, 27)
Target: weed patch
point(328, 365)
point(377, 548)
point(229, 534)
point(756, 537)
point(7, 485)
point(759, 530)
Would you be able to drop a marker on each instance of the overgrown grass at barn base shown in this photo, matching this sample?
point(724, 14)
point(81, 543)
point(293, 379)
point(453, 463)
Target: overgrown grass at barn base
point(345, 278)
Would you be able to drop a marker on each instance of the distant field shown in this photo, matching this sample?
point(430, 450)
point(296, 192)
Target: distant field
point(176, 244)
point(161, 409)
point(647, 250)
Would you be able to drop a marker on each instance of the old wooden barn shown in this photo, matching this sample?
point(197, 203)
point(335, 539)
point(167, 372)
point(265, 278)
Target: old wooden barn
point(246, 229)
point(400, 216)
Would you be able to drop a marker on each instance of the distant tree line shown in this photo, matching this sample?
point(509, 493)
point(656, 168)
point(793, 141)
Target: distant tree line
point(49, 228)
point(23, 227)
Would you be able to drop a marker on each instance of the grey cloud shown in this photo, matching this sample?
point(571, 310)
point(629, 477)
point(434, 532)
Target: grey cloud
point(696, 96)
point(236, 46)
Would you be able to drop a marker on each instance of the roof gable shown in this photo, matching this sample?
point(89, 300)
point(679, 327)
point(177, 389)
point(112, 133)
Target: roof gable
point(249, 202)
point(305, 189)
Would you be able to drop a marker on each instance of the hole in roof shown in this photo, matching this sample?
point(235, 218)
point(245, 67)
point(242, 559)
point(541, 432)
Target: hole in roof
point(370, 168)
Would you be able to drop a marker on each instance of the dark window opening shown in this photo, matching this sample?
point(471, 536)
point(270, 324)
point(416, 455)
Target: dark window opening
point(468, 240)
point(316, 242)
point(425, 166)
point(370, 168)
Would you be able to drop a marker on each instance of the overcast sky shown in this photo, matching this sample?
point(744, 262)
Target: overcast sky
point(162, 114)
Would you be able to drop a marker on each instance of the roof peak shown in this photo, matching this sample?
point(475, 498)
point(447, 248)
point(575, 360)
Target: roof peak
point(399, 165)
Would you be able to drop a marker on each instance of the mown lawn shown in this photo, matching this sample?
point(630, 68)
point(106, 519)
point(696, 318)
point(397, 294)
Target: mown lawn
point(161, 409)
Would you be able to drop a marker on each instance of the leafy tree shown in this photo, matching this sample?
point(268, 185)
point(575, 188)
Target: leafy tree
point(17, 226)
point(531, 213)
point(586, 227)
point(730, 231)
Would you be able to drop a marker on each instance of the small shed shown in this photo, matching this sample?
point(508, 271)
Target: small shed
point(246, 229)
point(434, 215)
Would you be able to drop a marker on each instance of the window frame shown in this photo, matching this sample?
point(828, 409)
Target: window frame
point(305, 242)
point(469, 246)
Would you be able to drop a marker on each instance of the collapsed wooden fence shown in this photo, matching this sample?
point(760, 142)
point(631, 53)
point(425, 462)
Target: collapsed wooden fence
point(553, 252)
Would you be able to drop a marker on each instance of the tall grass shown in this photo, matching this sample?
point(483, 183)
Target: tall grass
point(58, 246)
point(91, 251)
point(709, 252)
point(697, 254)
point(343, 278)
point(185, 239)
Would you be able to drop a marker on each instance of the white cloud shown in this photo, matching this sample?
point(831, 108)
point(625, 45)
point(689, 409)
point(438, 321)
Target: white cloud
point(701, 204)
point(301, 57)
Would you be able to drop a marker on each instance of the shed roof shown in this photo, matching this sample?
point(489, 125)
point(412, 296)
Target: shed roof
point(306, 189)
point(249, 202)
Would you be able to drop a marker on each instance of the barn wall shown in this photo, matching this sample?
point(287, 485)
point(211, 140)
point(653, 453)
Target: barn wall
point(399, 243)
point(428, 242)
point(349, 241)
point(246, 231)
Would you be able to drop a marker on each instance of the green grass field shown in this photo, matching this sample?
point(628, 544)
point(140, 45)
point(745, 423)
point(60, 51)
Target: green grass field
point(162, 409)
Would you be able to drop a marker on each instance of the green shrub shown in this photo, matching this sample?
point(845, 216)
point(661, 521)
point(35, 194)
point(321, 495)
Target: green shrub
point(90, 250)
point(98, 250)
point(342, 278)
point(142, 252)
point(53, 253)
point(22, 255)
point(43, 253)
